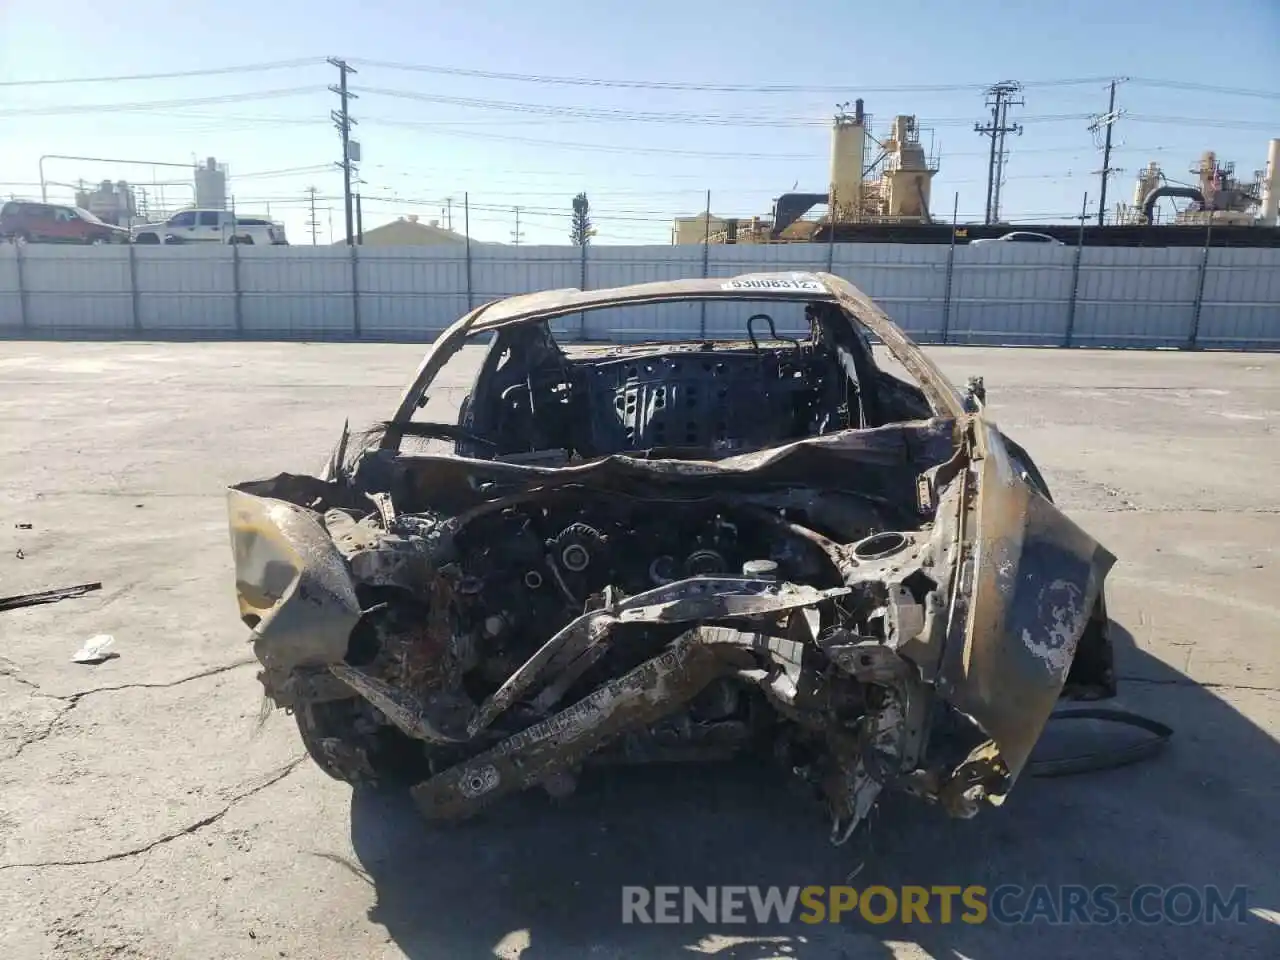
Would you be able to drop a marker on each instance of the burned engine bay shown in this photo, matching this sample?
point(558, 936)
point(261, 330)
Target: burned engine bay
point(792, 571)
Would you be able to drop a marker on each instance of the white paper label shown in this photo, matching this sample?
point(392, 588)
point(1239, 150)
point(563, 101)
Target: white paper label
point(773, 283)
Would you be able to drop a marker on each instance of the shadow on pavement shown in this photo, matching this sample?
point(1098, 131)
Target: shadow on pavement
point(547, 876)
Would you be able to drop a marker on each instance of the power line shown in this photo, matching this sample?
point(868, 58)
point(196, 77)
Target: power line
point(146, 105)
point(999, 99)
point(704, 87)
point(174, 75)
point(286, 172)
point(1205, 88)
point(1217, 122)
point(606, 114)
point(675, 85)
point(613, 148)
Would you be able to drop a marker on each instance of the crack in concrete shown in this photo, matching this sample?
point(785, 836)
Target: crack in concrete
point(75, 698)
point(28, 741)
point(22, 680)
point(200, 824)
point(71, 701)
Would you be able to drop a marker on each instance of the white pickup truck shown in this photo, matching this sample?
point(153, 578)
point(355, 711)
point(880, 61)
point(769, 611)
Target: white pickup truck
point(210, 226)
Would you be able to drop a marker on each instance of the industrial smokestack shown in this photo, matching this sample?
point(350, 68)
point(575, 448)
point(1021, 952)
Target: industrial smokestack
point(848, 142)
point(1271, 186)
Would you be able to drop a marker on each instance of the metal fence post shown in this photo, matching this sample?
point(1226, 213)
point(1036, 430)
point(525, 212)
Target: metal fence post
point(235, 282)
point(582, 285)
point(23, 318)
point(951, 265)
point(1075, 276)
point(831, 232)
point(1193, 335)
point(355, 290)
point(706, 252)
point(466, 220)
point(133, 289)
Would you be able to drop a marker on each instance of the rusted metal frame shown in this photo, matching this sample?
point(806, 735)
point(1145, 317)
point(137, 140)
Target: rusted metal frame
point(558, 744)
point(696, 598)
point(860, 308)
point(439, 719)
point(942, 395)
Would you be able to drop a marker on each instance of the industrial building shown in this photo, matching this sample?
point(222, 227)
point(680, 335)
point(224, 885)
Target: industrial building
point(115, 203)
point(880, 189)
point(1218, 196)
point(873, 180)
point(211, 185)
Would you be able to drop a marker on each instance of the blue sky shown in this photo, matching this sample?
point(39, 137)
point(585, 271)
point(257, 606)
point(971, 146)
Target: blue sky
point(277, 140)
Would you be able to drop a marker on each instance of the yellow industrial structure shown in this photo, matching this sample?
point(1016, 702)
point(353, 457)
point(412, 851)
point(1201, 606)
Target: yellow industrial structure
point(893, 187)
point(1217, 195)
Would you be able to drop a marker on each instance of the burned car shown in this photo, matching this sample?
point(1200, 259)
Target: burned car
point(677, 551)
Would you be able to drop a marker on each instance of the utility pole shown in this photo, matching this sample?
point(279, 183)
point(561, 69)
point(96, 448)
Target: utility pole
point(448, 215)
point(515, 235)
point(1107, 120)
point(999, 99)
point(342, 120)
point(313, 223)
point(359, 222)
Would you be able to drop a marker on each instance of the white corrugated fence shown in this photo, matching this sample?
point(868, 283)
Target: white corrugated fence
point(1222, 298)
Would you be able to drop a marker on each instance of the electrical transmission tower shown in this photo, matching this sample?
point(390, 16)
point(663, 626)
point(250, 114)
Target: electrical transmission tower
point(999, 99)
point(313, 224)
point(1106, 120)
point(350, 149)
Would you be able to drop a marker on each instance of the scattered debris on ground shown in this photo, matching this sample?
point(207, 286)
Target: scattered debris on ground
point(48, 596)
point(96, 649)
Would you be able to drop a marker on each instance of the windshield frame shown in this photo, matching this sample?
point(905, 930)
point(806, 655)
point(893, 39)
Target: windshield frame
point(858, 309)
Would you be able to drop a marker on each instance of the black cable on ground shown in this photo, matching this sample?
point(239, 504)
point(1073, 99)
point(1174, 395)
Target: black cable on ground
point(1107, 759)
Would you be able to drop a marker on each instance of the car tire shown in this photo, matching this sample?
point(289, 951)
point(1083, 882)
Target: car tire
point(330, 734)
point(246, 240)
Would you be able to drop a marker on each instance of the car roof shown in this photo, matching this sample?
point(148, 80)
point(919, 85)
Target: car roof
point(548, 304)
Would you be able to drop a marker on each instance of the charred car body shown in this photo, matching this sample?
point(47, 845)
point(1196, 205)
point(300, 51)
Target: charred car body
point(677, 552)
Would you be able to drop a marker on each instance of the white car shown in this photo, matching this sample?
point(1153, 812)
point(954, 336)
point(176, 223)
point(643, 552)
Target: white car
point(1021, 236)
point(211, 226)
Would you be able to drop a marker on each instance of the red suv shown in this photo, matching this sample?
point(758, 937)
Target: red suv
point(50, 223)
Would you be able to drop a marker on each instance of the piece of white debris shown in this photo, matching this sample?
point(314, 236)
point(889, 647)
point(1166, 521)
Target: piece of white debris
point(95, 649)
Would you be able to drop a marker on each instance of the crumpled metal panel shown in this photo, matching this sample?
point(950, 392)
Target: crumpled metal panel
point(1035, 578)
point(292, 586)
